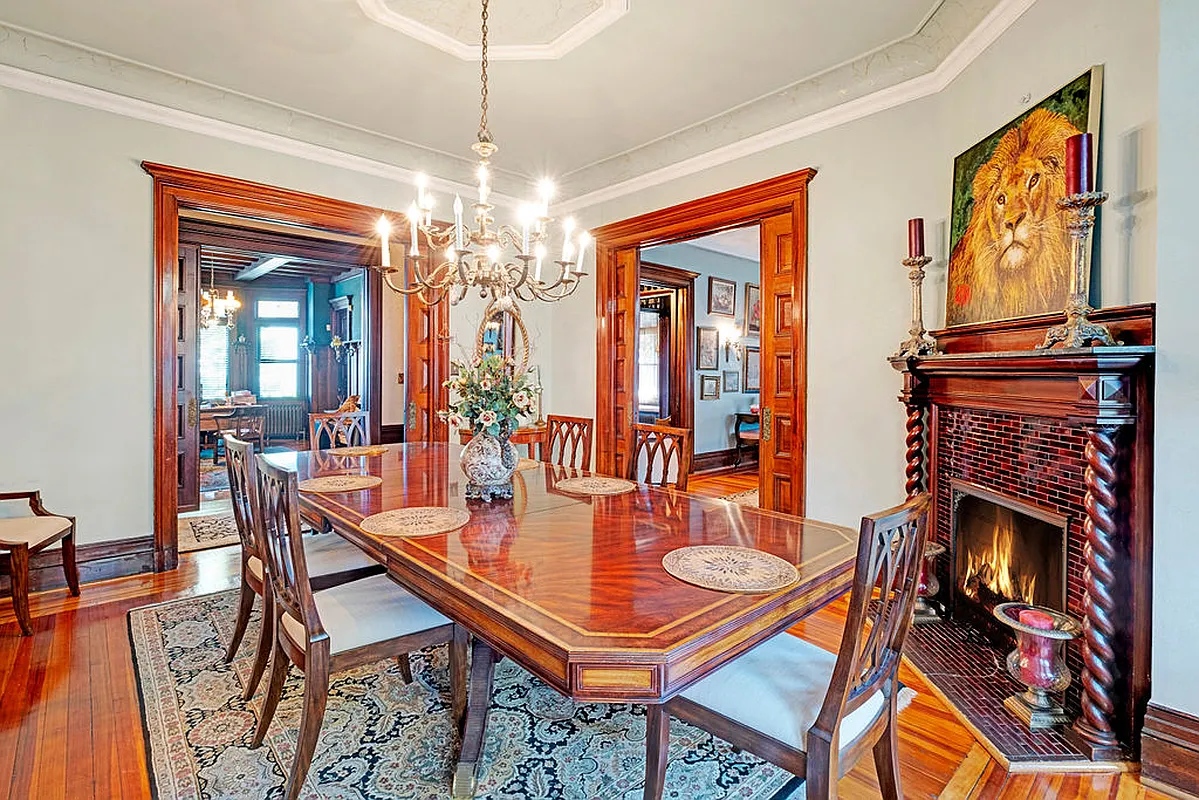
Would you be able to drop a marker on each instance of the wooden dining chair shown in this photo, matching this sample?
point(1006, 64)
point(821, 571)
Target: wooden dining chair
point(567, 441)
point(338, 429)
point(24, 536)
point(331, 560)
point(247, 423)
point(335, 629)
point(802, 708)
point(661, 455)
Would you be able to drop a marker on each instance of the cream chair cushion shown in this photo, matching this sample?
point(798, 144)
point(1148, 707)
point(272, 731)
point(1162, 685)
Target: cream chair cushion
point(364, 612)
point(31, 531)
point(777, 689)
point(325, 554)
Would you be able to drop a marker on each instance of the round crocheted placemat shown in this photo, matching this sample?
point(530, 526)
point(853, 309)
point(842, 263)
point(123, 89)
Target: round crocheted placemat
point(595, 485)
point(327, 484)
point(361, 450)
point(730, 569)
point(416, 521)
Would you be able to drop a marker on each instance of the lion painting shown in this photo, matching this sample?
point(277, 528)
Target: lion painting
point(1013, 259)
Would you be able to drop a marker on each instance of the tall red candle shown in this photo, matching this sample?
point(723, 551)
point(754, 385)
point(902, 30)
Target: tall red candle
point(1078, 164)
point(916, 237)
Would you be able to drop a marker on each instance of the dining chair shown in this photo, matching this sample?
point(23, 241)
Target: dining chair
point(567, 441)
point(323, 632)
point(338, 429)
point(24, 536)
point(331, 560)
point(802, 708)
point(242, 422)
point(661, 455)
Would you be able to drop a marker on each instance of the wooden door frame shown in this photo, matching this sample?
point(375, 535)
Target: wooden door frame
point(730, 209)
point(683, 365)
point(176, 188)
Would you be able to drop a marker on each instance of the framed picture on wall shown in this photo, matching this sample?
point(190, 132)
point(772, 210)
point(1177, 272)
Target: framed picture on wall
point(722, 296)
point(732, 381)
point(707, 348)
point(751, 370)
point(709, 387)
point(753, 309)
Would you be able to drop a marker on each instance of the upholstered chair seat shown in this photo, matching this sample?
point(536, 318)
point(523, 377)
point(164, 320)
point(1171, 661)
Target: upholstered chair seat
point(327, 554)
point(778, 689)
point(364, 612)
point(31, 531)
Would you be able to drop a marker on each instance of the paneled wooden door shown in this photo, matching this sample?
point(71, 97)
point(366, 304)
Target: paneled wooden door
point(780, 451)
point(428, 360)
point(187, 392)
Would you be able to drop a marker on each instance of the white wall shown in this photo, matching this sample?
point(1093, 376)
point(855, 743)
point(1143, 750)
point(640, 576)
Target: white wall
point(876, 173)
point(713, 418)
point(1176, 503)
point(76, 313)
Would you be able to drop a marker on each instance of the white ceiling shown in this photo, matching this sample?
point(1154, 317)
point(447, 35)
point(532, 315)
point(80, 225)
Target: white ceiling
point(663, 69)
point(739, 242)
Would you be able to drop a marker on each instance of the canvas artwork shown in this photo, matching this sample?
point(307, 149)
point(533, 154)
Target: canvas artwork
point(751, 370)
point(709, 387)
point(707, 348)
point(722, 296)
point(1009, 247)
point(753, 309)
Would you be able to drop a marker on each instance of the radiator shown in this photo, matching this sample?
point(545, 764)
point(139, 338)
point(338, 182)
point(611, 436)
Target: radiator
point(286, 419)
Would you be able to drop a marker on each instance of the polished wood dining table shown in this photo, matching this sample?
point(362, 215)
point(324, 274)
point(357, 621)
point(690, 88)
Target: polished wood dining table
point(571, 587)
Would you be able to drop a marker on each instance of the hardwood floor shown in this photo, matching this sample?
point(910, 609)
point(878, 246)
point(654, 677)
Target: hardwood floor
point(70, 725)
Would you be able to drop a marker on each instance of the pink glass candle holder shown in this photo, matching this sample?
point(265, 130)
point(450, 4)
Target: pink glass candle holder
point(928, 585)
point(1037, 662)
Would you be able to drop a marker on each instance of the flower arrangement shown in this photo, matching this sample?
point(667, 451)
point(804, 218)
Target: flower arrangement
point(490, 397)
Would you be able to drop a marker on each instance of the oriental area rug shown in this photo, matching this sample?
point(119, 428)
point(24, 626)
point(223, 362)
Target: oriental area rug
point(385, 739)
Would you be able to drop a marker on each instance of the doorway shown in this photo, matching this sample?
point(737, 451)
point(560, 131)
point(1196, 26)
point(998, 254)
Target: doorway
point(778, 208)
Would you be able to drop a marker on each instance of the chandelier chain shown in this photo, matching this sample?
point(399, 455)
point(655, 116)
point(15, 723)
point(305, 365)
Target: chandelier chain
point(484, 134)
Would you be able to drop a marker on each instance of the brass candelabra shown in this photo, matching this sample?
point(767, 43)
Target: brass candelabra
point(1079, 331)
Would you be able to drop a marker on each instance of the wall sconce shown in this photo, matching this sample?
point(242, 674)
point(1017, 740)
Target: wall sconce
point(732, 340)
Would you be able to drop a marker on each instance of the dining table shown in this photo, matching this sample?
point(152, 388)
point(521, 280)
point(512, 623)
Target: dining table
point(571, 587)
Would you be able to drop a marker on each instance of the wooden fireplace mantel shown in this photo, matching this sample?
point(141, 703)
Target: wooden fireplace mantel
point(1105, 396)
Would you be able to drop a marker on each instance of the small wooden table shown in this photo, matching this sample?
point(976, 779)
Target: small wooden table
point(572, 587)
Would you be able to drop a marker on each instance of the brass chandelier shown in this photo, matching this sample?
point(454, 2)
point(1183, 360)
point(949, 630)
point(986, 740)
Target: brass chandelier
point(504, 262)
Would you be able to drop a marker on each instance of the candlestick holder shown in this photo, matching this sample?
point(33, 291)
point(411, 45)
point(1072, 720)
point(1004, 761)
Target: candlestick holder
point(1037, 662)
point(918, 343)
point(1078, 330)
point(928, 585)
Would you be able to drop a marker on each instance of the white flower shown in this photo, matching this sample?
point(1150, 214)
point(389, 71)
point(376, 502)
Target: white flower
point(457, 421)
point(488, 417)
point(521, 400)
point(485, 384)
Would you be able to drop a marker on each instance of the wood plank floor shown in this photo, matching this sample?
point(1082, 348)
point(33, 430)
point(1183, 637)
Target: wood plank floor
point(70, 725)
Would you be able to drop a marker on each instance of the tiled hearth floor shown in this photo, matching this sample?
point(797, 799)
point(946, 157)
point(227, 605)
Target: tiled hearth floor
point(972, 674)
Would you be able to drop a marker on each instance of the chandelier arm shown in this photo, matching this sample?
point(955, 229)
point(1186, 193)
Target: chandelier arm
point(399, 289)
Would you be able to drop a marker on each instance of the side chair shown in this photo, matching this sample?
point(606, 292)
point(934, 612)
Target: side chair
point(338, 429)
point(567, 442)
point(802, 708)
point(24, 536)
point(661, 456)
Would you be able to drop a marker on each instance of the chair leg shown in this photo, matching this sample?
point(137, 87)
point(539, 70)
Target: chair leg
point(822, 770)
point(279, 665)
point(265, 640)
point(245, 606)
point(316, 692)
point(19, 559)
point(886, 755)
point(70, 566)
point(657, 746)
point(405, 666)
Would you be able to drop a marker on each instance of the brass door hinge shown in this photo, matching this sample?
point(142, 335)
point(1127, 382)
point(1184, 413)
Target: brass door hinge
point(192, 413)
point(766, 415)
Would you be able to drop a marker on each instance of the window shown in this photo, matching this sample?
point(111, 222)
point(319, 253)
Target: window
point(649, 392)
point(214, 362)
point(278, 348)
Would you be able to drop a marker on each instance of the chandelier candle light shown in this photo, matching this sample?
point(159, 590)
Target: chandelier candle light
point(918, 343)
point(502, 261)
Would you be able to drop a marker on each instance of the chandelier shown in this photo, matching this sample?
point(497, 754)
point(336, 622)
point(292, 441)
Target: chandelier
point(216, 310)
point(504, 262)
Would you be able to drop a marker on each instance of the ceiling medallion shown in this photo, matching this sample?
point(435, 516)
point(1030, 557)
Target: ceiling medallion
point(503, 262)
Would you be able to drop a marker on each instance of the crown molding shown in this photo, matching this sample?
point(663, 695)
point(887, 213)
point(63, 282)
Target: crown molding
point(590, 25)
point(993, 25)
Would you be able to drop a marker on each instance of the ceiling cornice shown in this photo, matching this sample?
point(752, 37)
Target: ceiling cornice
point(608, 12)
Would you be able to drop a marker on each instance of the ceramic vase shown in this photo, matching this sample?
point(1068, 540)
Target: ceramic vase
point(489, 463)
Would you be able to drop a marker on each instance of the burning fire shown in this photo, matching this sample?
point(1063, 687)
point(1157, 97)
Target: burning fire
point(993, 568)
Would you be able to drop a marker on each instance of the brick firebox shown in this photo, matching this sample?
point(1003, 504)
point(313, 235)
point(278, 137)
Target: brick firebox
point(1068, 431)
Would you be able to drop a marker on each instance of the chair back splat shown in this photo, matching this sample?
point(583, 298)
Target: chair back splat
point(567, 442)
point(338, 429)
point(239, 463)
point(661, 455)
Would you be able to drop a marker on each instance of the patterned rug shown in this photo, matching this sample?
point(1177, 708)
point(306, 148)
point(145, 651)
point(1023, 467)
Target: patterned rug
point(213, 478)
point(201, 533)
point(383, 739)
point(749, 498)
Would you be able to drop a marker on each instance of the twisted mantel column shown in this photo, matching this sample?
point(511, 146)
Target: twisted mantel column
point(1095, 727)
point(915, 456)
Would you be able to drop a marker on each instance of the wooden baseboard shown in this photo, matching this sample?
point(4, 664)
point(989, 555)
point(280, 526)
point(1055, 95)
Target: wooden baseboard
point(1170, 749)
point(720, 459)
point(98, 561)
point(392, 434)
